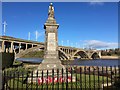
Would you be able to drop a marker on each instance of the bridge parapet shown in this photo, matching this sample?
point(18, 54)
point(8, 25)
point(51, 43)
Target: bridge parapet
point(11, 44)
point(12, 39)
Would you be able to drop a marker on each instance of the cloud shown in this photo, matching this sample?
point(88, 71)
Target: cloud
point(96, 2)
point(100, 44)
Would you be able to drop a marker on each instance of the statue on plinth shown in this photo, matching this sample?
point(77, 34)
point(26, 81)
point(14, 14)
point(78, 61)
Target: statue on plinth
point(51, 60)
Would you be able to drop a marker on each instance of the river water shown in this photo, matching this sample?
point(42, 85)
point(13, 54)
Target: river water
point(30, 60)
point(97, 62)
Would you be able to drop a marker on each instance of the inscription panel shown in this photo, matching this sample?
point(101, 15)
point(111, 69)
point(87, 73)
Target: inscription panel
point(51, 45)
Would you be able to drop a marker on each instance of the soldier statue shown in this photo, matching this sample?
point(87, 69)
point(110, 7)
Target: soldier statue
point(51, 11)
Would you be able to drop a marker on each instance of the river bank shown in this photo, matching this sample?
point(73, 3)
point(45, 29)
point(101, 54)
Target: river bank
point(110, 57)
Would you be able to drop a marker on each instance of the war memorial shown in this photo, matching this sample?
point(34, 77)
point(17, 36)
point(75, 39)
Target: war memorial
point(51, 61)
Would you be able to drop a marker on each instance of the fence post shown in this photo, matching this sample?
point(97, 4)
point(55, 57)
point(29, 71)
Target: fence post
point(42, 79)
point(80, 78)
point(119, 75)
point(85, 76)
point(52, 79)
point(32, 79)
point(119, 70)
point(102, 78)
point(89, 79)
point(37, 80)
point(27, 82)
point(94, 76)
point(76, 78)
point(47, 79)
point(62, 80)
point(17, 80)
point(10, 79)
point(58, 78)
point(115, 76)
point(71, 78)
point(107, 75)
point(98, 78)
point(13, 80)
point(22, 79)
point(111, 76)
point(67, 78)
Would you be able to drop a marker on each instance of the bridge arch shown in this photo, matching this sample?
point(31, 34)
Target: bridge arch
point(81, 54)
point(95, 55)
point(18, 55)
point(62, 54)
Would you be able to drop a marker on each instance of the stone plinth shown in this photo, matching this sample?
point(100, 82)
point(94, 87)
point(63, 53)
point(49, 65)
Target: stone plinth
point(50, 64)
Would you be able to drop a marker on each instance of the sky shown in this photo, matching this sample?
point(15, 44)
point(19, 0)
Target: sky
point(81, 24)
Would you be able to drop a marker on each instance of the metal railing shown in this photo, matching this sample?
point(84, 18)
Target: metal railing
point(99, 78)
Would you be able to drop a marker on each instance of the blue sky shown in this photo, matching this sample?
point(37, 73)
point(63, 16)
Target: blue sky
point(86, 24)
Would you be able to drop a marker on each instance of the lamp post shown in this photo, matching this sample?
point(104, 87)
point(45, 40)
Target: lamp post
point(4, 27)
point(28, 35)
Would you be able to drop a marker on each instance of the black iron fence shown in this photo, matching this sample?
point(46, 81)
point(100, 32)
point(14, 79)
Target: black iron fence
point(106, 78)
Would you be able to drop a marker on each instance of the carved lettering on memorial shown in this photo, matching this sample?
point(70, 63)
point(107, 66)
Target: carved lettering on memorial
point(51, 46)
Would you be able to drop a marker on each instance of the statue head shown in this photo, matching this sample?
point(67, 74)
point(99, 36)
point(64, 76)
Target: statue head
point(51, 4)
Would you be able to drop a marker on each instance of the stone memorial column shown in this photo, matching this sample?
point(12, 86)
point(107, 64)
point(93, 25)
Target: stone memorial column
point(51, 60)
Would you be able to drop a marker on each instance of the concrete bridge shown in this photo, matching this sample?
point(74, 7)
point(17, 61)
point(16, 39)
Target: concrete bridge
point(21, 47)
